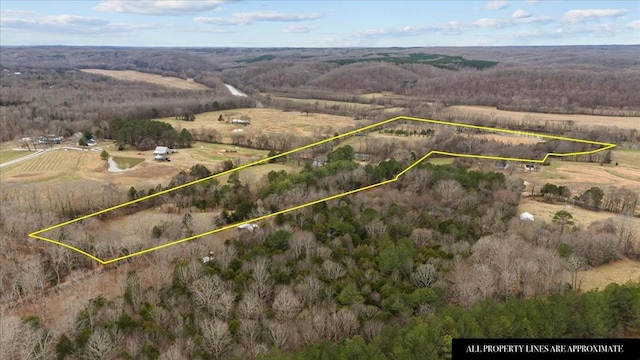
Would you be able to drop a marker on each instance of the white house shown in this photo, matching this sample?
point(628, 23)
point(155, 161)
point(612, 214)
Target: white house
point(161, 153)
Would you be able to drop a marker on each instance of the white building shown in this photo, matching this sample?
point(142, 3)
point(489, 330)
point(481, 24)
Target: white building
point(161, 153)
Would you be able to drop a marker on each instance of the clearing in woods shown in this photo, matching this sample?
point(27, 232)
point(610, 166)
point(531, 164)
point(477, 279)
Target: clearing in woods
point(600, 147)
point(617, 272)
point(266, 121)
point(168, 81)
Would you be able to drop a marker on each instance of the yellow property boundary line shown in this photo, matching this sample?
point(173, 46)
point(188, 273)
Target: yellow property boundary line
point(36, 235)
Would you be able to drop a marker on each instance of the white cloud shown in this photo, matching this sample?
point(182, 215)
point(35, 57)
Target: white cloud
point(161, 7)
point(488, 23)
point(69, 24)
point(496, 4)
point(533, 19)
point(15, 12)
point(634, 24)
point(533, 1)
point(450, 28)
point(576, 16)
point(256, 16)
point(298, 29)
point(520, 14)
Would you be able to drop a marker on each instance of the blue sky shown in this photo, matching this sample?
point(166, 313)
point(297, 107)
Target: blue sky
point(205, 23)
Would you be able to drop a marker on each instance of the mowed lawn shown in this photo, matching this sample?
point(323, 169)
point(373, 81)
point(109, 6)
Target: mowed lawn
point(50, 164)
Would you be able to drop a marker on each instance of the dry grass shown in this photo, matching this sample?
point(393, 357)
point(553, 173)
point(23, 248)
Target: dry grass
point(588, 120)
point(168, 81)
point(51, 164)
point(269, 121)
point(579, 176)
point(618, 272)
point(330, 103)
point(583, 218)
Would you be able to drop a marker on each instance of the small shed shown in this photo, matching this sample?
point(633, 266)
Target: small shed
point(525, 216)
point(161, 153)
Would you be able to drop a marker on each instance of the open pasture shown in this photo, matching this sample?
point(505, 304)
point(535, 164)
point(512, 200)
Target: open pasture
point(167, 81)
point(543, 211)
point(580, 120)
point(265, 121)
point(617, 272)
point(328, 104)
point(580, 176)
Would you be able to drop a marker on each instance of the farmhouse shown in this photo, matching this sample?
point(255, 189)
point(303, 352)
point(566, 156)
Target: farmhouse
point(161, 153)
point(50, 139)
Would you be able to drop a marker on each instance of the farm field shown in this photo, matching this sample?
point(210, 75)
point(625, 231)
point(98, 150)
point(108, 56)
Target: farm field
point(331, 103)
point(266, 121)
point(130, 75)
point(580, 176)
point(61, 164)
point(584, 120)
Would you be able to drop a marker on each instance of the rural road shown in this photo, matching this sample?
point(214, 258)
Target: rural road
point(234, 91)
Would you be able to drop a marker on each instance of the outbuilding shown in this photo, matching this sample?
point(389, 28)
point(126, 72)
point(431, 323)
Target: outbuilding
point(161, 153)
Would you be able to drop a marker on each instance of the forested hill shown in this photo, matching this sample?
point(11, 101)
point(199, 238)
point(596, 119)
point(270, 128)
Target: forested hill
point(613, 312)
point(546, 79)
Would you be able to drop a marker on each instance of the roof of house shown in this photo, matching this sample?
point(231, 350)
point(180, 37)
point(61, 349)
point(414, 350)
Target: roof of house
point(161, 150)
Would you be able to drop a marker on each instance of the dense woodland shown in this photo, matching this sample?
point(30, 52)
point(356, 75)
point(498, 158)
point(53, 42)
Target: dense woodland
point(391, 272)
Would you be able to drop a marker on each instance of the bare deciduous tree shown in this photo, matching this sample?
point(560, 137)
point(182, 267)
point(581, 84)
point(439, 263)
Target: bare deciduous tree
point(424, 275)
point(250, 307)
point(101, 345)
point(333, 270)
point(309, 289)
point(278, 334)
point(216, 336)
point(375, 228)
point(286, 304)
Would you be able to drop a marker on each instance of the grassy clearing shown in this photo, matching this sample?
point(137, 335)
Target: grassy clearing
point(618, 272)
point(328, 104)
point(544, 212)
point(266, 121)
point(582, 120)
point(168, 81)
point(579, 176)
point(8, 155)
